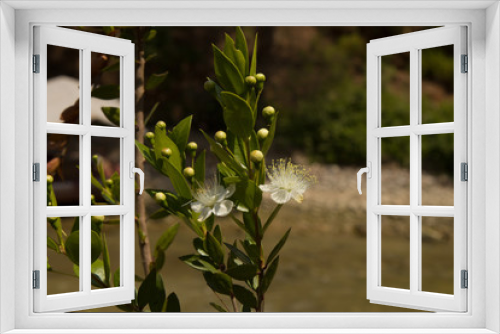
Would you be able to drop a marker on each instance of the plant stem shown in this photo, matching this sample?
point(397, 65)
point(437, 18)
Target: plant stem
point(233, 302)
point(140, 89)
point(258, 242)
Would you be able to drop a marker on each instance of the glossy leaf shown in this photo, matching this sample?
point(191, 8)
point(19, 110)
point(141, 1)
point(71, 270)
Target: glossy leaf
point(238, 115)
point(173, 304)
point(159, 214)
point(151, 292)
point(227, 73)
point(214, 249)
point(199, 167)
point(219, 282)
point(163, 141)
point(241, 44)
point(146, 153)
point(253, 66)
point(244, 296)
point(278, 246)
point(106, 92)
point(269, 275)
point(112, 114)
point(73, 246)
point(178, 181)
point(238, 253)
point(242, 272)
point(180, 133)
point(52, 244)
point(224, 156)
point(248, 193)
point(266, 145)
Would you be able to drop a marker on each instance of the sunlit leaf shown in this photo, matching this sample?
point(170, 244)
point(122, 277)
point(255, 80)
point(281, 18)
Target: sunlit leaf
point(227, 73)
point(180, 133)
point(241, 44)
point(238, 115)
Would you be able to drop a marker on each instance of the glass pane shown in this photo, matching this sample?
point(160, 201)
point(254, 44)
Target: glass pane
point(105, 100)
point(395, 90)
point(437, 254)
point(395, 171)
point(63, 175)
point(437, 84)
point(437, 169)
point(63, 85)
point(105, 170)
point(106, 260)
point(63, 252)
point(395, 251)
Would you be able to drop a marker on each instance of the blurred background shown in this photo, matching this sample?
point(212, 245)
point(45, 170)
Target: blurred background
point(316, 79)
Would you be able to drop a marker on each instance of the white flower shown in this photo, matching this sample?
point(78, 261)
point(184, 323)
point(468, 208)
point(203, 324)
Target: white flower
point(287, 181)
point(213, 199)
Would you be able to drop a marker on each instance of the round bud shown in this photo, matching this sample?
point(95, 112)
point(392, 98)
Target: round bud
point(256, 156)
point(192, 146)
point(166, 152)
point(209, 86)
point(161, 124)
point(92, 198)
point(95, 157)
point(251, 80)
point(149, 135)
point(188, 172)
point(160, 197)
point(50, 179)
point(220, 136)
point(260, 77)
point(262, 133)
point(268, 112)
point(109, 182)
point(98, 219)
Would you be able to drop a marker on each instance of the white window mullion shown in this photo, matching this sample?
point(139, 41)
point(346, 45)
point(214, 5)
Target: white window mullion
point(414, 171)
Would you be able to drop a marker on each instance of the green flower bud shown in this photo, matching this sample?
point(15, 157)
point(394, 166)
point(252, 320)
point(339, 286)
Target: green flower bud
point(256, 156)
point(161, 124)
point(95, 158)
point(209, 86)
point(160, 197)
point(192, 147)
point(166, 152)
point(220, 137)
point(149, 135)
point(109, 182)
point(262, 134)
point(251, 80)
point(188, 172)
point(98, 219)
point(260, 77)
point(268, 112)
point(50, 179)
point(92, 198)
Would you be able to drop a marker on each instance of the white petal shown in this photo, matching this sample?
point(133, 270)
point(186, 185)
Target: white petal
point(297, 195)
point(205, 213)
point(281, 196)
point(230, 190)
point(223, 208)
point(267, 188)
point(197, 206)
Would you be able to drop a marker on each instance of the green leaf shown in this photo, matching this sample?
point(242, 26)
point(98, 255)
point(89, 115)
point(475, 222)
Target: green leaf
point(178, 181)
point(238, 115)
point(236, 56)
point(180, 133)
point(52, 244)
point(227, 73)
point(112, 114)
point(218, 307)
point(238, 253)
point(253, 66)
point(272, 217)
point(199, 167)
point(173, 304)
point(278, 246)
point(194, 262)
point(249, 223)
point(150, 35)
point(96, 183)
point(146, 153)
point(244, 296)
point(155, 80)
point(219, 282)
point(73, 246)
point(111, 68)
point(116, 278)
point(241, 44)
point(108, 30)
point(225, 157)
point(198, 245)
point(218, 234)
point(215, 92)
point(266, 145)
point(167, 237)
point(105, 259)
point(152, 292)
point(242, 272)
point(236, 145)
point(151, 113)
point(163, 141)
point(248, 193)
point(252, 250)
point(159, 259)
point(162, 213)
point(98, 274)
point(269, 275)
point(214, 249)
point(106, 92)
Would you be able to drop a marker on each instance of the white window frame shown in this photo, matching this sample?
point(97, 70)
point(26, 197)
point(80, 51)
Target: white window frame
point(483, 20)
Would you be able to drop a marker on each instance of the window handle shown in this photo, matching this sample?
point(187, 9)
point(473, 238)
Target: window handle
point(133, 170)
point(368, 171)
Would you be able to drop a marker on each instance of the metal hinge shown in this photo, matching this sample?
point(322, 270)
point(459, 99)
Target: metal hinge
point(465, 64)
point(464, 171)
point(36, 172)
point(464, 279)
point(36, 63)
point(36, 279)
